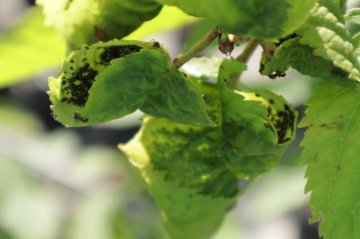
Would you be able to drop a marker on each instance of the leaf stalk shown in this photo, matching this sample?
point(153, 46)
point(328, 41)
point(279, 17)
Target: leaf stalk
point(243, 58)
point(248, 51)
point(203, 43)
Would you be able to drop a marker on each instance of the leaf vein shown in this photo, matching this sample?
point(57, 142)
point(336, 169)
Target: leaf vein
point(335, 170)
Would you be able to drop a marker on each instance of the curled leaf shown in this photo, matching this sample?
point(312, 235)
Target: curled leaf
point(298, 56)
point(110, 80)
point(326, 33)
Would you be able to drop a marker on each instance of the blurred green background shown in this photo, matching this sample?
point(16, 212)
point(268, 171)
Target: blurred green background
point(58, 183)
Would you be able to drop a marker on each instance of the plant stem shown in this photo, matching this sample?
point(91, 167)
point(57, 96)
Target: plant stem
point(244, 58)
point(268, 48)
point(248, 51)
point(198, 47)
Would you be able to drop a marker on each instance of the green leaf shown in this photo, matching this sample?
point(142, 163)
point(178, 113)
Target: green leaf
point(161, 23)
point(194, 8)
point(28, 48)
point(356, 40)
point(325, 32)
point(186, 213)
point(192, 172)
point(177, 99)
point(266, 119)
point(256, 18)
point(324, 42)
point(292, 53)
point(230, 68)
point(124, 86)
point(229, 73)
point(330, 152)
point(77, 103)
point(260, 19)
point(110, 80)
point(353, 16)
point(88, 21)
point(343, 5)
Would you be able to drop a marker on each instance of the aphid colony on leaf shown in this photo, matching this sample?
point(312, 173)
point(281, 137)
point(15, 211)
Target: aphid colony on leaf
point(280, 114)
point(80, 71)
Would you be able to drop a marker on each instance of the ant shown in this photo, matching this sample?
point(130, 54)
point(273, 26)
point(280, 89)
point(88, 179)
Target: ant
point(78, 118)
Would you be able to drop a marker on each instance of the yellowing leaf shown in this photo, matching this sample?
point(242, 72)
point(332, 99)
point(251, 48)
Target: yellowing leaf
point(169, 18)
point(192, 172)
